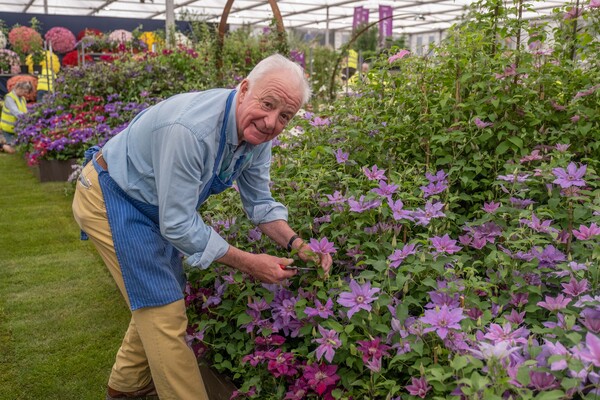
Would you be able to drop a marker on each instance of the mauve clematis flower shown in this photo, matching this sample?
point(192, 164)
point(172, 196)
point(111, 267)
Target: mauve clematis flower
point(444, 244)
point(341, 157)
point(592, 351)
point(481, 125)
point(585, 233)
point(322, 246)
point(591, 319)
point(322, 310)
point(542, 380)
point(574, 288)
point(399, 55)
point(490, 207)
point(385, 190)
point(572, 176)
point(328, 343)
point(398, 256)
point(418, 387)
point(562, 147)
point(594, 4)
point(496, 351)
point(554, 303)
point(374, 174)
point(398, 211)
point(505, 333)
point(359, 298)
point(362, 205)
point(442, 320)
point(515, 317)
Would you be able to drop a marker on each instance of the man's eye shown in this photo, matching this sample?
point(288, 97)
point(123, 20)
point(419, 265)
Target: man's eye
point(286, 117)
point(267, 105)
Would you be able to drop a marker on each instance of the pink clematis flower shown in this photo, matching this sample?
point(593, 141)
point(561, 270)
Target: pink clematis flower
point(399, 55)
point(572, 176)
point(585, 233)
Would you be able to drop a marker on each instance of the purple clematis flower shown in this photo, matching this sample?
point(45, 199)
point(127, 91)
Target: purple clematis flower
point(399, 55)
point(574, 288)
point(444, 244)
point(398, 256)
point(322, 310)
point(322, 246)
point(592, 351)
point(341, 157)
point(490, 207)
point(418, 387)
point(362, 204)
point(542, 380)
point(480, 124)
point(374, 174)
point(399, 212)
point(385, 190)
point(586, 233)
point(554, 303)
point(328, 343)
point(442, 320)
point(572, 176)
point(359, 298)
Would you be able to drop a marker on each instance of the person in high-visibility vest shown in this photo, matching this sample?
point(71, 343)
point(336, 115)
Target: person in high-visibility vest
point(15, 104)
point(45, 83)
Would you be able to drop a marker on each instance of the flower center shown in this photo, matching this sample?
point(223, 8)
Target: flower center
point(360, 299)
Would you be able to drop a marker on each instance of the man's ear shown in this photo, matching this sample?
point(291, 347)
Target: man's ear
point(244, 88)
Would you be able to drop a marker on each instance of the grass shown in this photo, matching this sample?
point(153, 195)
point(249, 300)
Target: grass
point(61, 315)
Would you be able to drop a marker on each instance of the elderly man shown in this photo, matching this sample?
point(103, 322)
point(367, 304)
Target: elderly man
point(138, 199)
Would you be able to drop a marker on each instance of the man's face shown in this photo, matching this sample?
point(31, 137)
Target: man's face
point(21, 92)
point(265, 107)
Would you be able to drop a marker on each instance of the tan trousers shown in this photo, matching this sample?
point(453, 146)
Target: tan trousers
point(154, 346)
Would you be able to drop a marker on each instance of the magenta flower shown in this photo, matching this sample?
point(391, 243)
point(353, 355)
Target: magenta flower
point(505, 333)
point(324, 311)
point(398, 211)
point(320, 377)
point(444, 245)
point(322, 246)
point(328, 342)
point(574, 288)
point(491, 207)
point(442, 320)
point(280, 363)
point(362, 205)
point(592, 351)
point(359, 298)
point(480, 124)
point(542, 380)
point(341, 157)
point(562, 147)
point(399, 55)
point(374, 174)
point(538, 225)
point(372, 349)
point(572, 176)
point(385, 190)
point(398, 256)
point(418, 387)
point(585, 233)
point(554, 303)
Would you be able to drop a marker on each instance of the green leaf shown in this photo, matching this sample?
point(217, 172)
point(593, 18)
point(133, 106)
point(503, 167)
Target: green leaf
point(502, 147)
point(552, 395)
point(459, 362)
point(517, 141)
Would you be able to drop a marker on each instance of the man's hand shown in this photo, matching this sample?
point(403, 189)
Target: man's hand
point(306, 254)
point(270, 269)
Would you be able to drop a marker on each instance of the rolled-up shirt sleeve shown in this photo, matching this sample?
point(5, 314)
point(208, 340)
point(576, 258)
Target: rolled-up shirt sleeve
point(254, 189)
point(180, 165)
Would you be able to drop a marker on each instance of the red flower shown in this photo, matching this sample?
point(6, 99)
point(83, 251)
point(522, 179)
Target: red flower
point(89, 32)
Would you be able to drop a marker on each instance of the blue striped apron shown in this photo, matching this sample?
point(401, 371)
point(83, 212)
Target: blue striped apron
point(152, 267)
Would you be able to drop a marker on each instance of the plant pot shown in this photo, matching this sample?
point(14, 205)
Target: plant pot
point(218, 386)
point(56, 170)
point(24, 69)
point(37, 69)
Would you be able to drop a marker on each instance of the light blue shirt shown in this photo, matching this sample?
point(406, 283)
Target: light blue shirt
point(166, 156)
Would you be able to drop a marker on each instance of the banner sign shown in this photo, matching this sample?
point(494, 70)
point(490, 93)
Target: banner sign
point(361, 16)
point(385, 21)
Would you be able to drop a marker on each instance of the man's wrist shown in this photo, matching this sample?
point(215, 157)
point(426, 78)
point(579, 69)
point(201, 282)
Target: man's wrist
point(293, 239)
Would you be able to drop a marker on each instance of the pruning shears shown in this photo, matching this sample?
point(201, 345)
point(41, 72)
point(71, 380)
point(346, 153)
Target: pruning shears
point(294, 268)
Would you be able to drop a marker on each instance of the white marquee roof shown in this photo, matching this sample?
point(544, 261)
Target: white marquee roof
point(410, 16)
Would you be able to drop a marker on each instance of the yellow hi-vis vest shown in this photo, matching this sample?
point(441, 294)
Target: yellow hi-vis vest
point(7, 124)
point(46, 80)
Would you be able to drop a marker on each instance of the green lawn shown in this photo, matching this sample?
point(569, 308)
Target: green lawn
point(61, 316)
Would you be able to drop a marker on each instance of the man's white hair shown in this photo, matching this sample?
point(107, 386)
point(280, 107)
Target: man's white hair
point(278, 63)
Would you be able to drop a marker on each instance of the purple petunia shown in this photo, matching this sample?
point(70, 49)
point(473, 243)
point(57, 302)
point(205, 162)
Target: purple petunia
point(359, 298)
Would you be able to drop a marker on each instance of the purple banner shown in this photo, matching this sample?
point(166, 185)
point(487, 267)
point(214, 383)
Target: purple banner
point(365, 16)
point(358, 12)
point(385, 21)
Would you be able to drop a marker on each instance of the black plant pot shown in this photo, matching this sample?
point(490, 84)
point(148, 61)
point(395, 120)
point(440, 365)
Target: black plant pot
point(24, 69)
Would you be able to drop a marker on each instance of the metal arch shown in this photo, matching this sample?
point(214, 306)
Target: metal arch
point(223, 28)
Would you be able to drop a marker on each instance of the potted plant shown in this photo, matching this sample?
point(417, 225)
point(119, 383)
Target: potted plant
point(24, 39)
point(60, 39)
point(9, 62)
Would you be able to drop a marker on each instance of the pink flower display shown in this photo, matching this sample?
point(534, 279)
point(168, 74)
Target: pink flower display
point(11, 62)
point(120, 36)
point(23, 39)
point(61, 39)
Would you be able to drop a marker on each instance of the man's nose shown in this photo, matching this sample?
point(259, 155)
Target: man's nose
point(271, 120)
